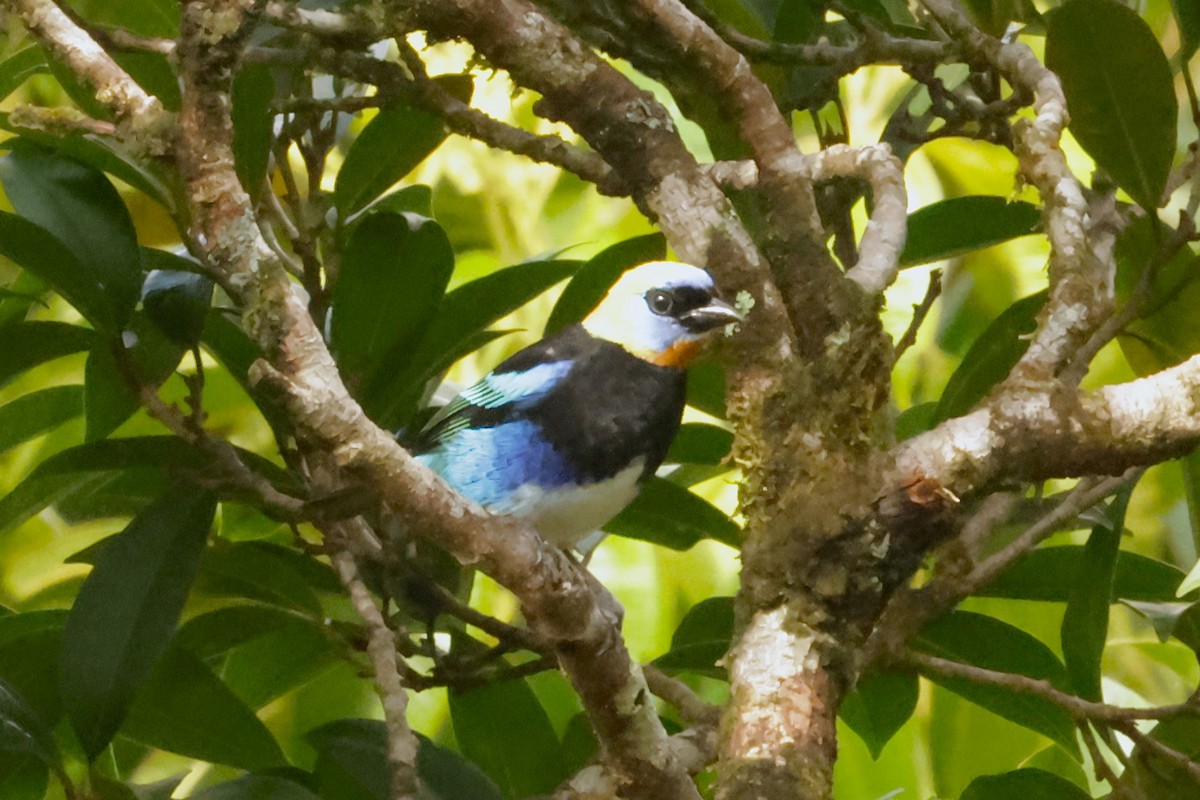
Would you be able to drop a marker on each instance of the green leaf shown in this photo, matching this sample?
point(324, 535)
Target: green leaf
point(174, 300)
point(1181, 620)
point(990, 357)
point(37, 250)
point(393, 273)
point(528, 764)
point(415, 199)
point(1187, 14)
point(149, 359)
point(960, 225)
point(1051, 573)
point(184, 708)
point(700, 443)
point(706, 388)
point(22, 731)
point(1164, 335)
point(594, 278)
point(390, 146)
point(256, 571)
point(127, 609)
point(253, 122)
point(458, 322)
point(1119, 91)
point(446, 775)
point(256, 787)
point(30, 649)
point(1085, 623)
point(23, 777)
point(701, 639)
point(351, 760)
point(81, 208)
point(216, 633)
point(19, 67)
point(269, 666)
point(670, 515)
point(159, 790)
point(982, 641)
point(33, 414)
point(1027, 784)
point(878, 706)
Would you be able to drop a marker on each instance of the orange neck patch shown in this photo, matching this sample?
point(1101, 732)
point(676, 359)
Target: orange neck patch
point(679, 354)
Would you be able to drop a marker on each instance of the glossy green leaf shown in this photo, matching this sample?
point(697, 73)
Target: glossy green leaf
point(1165, 333)
point(253, 122)
point(256, 571)
point(217, 632)
point(23, 731)
point(594, 278)
point(960, 225)
point(985, 642)
point(256, 787)
point(878, 706)
point(159, 790)
point(990, 357)
point(415, 199)
point(670, 515)
point(176, 301)
point(1051, 573)
point(18, 67)
point(395, 141)
point(81, 208)
point(528, 764)
point(127, 610)
point(33, 414)
point(701, 639)
point(700, 443)
point(1027, 784)
point(1085, 623)
point(184, 708)
point(37, 250)
point(457, 327)
point(393, 273)
point(1119, 90)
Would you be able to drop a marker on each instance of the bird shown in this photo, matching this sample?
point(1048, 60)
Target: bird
point(563, 432)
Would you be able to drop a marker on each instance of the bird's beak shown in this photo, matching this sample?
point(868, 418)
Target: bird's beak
point(714, 315)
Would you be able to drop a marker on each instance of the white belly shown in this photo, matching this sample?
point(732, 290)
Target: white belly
point(567, 514)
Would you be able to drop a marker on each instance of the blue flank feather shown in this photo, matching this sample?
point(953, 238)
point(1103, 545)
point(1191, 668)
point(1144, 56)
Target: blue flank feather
point(488, 465)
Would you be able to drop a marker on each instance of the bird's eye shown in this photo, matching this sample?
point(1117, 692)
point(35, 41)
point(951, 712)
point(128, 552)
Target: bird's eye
point(660, 302)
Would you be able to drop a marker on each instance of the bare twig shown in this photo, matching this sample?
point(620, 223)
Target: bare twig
point(678, 694)
point(920, 311)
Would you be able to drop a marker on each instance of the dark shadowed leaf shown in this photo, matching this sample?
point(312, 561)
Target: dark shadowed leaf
point(702, 638)
point(22, 731)
point(990, 357)
point(351, 760)
point(670, 515)
point(217, 632)
point(127, 609)
point(1085, 623)
point(415, 199)
point(982, 641)
point(594, 278)
point(37, 250)
point(81, 208)
point(184, 708)
point(256, 571)
point(159, 790)
point(961, 224)
point(524, 765)
point(446, 775)
point(395, 141)
point(175, 300)
point(30, 647)
point(393, 273)
point(1026, 784)
point(878, 706)
point(23, 777)
point(35, 413)
point(144, 355)
point(253, 91)
point(1050, 573)
point(706, 388)
point(256, 787)
point(264, 668)
point(1119, 91)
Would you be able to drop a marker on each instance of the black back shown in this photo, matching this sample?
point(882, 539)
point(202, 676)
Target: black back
point(611, 408)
